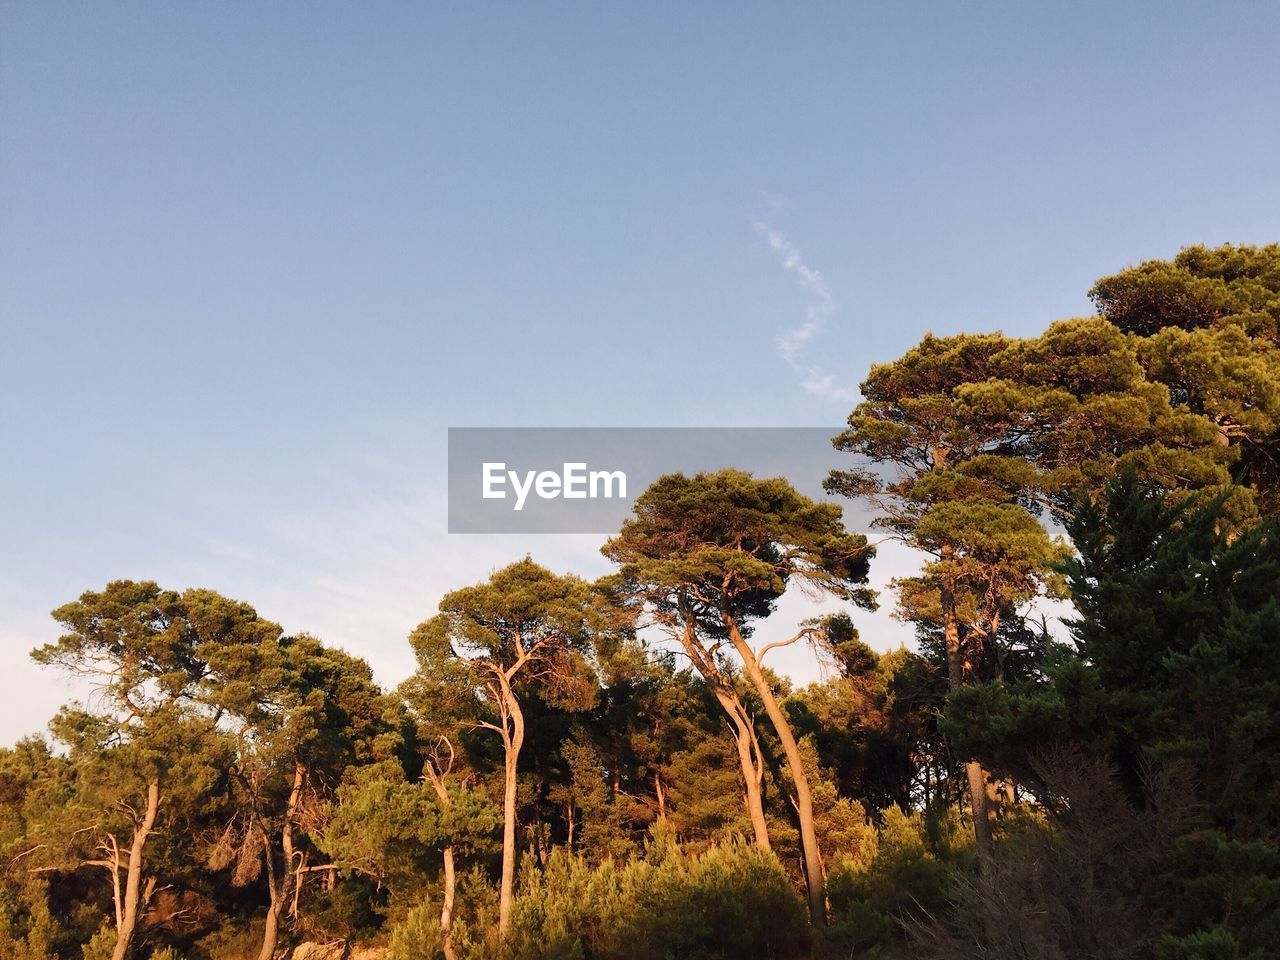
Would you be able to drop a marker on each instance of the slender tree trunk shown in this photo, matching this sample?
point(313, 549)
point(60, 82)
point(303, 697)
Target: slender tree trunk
point(275, 884)
point(955, 680)
point(128, 925)
point(271, 929)
point(742, 727)
point(749, 759)
point(446, 908)
point(278, 884)
point(299, 872)
point(513, 738)
point(450, 874)
point(804, 798)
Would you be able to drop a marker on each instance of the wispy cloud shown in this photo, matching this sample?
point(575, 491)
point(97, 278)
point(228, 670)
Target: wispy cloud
point(792, 342)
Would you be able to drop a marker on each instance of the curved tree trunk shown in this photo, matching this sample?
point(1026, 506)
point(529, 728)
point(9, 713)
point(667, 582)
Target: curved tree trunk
point(128, 925)
point(277, 885)
point(804, 798)
point(742, 726)
point(513, 740)
point(749, 759)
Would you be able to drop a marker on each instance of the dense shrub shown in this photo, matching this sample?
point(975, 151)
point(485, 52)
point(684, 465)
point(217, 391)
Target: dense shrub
point(730, 902)
point(733, 901)
point(101, 944)
point(903, 879)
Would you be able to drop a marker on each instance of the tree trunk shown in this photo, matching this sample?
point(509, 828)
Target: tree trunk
point(450, 874)
point(804, 799)
point(128, 925)
point(277, 884)
point(742, 727)
point(513, 739)
point(271, 929)
point(955, 680)
point(749, 759)
point(446, 909)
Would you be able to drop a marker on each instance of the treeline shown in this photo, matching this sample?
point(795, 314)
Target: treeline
point(611, 769)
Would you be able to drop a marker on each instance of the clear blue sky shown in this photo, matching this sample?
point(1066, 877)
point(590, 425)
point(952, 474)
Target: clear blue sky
point(255, 258)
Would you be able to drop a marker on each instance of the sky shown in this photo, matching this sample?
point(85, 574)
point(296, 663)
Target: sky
point(255, 259)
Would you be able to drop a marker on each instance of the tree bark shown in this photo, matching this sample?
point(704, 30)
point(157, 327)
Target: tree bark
point(742, 726)
point(974, 773)
point(271, 928)
point(127, 928)
point(513, 740)
point(804, 798)
point(450, 874)
point(749, 759)
point(277, 884)
point(446, 908)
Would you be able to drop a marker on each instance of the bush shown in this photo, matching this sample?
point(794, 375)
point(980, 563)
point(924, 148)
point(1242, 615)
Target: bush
point(903, 880)
point(1082, 882)
point(731, 902)
point(417, 937)
point(234, 940)
point(101, 944)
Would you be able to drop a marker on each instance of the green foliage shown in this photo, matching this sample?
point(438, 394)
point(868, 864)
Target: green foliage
point(28, 929)
point(600, 814)
point(982, 432)
point(1178, 621)
point(1174, 676)
point(1207, 326)
point(234, 939)
point(1223, 891)
point(100, 945)
point(733, 901)
point(392, 830)
point(726, 541)
point(1215, 944)
point(898, 877)
point(347, 911)
point(524, 617)
point(417, 937)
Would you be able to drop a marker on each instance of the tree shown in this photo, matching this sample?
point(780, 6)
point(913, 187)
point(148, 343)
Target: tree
point(140, 648)
point(1178, 621)
point(1173, 681)
point(965, 441)
point(441, 699)
point(524, 629)
point(395, 830)
point(1207, 325)
point(300, 714)
point(676, 616)
point(873, 723)
point(709, 554)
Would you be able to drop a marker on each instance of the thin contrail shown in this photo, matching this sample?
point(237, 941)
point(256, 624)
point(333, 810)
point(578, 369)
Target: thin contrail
point(792, 342)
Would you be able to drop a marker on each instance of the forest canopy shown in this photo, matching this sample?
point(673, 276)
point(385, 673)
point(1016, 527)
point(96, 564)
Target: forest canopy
point(611, 768)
